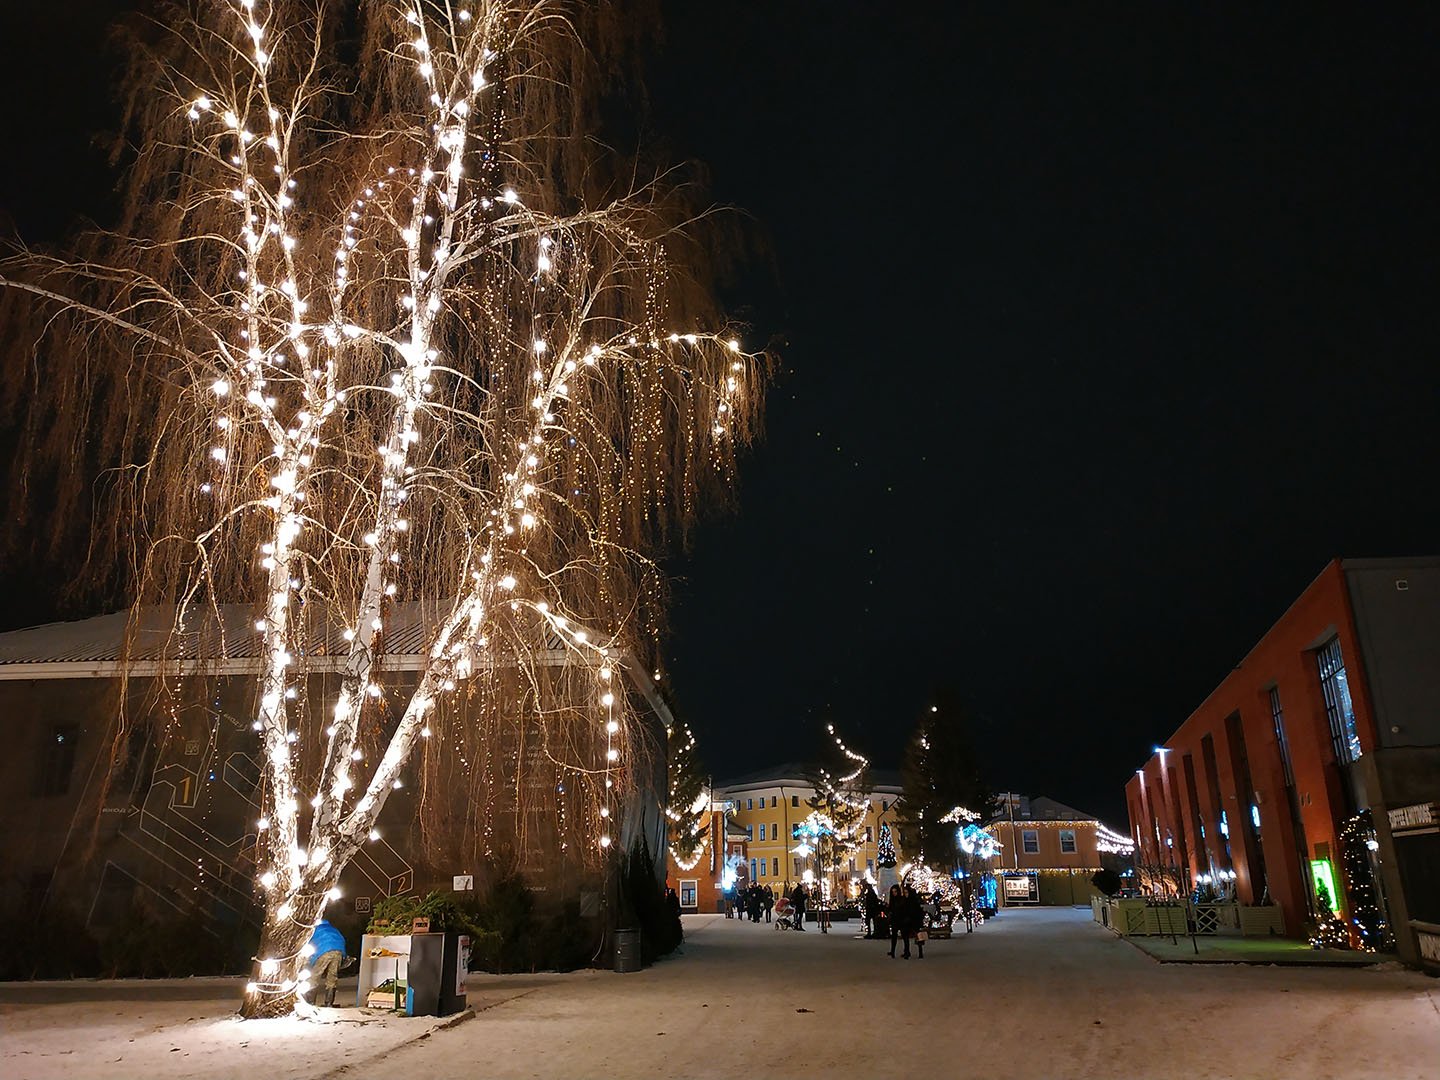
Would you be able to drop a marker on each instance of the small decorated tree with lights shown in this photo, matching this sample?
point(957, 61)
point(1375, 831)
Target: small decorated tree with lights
point(837, 821)
point(885, 848)
point(373, 330)
point(687, 808)
point(1329, 931)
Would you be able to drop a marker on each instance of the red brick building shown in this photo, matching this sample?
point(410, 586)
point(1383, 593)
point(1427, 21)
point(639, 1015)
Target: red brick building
point(699, 882)
point(1333, 713)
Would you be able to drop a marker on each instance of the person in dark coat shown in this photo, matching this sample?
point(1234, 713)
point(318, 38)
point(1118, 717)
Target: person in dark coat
point(918, 919)
point(870, 905)
point(797, 900)
point(768, 900)
point(753, 902)
point(893, 905)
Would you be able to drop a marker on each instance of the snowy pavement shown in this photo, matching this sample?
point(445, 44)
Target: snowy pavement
point(1037, 993)
point(169, 1029)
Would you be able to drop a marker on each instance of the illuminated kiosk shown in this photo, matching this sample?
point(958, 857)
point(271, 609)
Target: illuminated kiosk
point(416, 974)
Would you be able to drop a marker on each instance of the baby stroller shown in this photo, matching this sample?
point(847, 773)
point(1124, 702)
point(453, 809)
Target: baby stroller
point(785, 914)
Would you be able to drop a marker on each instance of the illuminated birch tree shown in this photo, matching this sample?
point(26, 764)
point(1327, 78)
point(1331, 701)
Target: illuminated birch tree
point(835, 828)
point(373, 331)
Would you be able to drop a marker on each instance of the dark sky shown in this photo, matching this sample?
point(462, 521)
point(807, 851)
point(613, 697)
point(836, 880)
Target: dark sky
point(1103, 333)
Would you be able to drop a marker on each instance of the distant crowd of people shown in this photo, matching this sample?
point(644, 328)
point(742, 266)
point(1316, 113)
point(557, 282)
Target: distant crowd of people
point(752, 901)
point(904, 912)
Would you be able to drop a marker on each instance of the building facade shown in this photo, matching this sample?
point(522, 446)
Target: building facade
point(700, 881)
point(1312, 772)
point(1048, 851)
point(770, 805)
point(134, 787)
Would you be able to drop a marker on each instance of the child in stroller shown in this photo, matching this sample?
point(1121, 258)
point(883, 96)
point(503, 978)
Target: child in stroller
point(784, 914)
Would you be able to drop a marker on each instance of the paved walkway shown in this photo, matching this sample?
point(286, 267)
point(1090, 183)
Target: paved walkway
point(1036, 993)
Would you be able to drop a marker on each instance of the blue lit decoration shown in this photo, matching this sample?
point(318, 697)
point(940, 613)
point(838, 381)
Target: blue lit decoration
point(977, 842)
point(985, 892)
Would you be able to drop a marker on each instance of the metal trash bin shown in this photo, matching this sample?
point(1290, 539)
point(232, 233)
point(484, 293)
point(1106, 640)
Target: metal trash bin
point(627, 950)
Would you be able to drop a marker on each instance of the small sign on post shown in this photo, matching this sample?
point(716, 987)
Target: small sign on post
point(464, 883)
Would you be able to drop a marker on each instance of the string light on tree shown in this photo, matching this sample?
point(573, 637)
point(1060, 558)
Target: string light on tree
point(459, 389)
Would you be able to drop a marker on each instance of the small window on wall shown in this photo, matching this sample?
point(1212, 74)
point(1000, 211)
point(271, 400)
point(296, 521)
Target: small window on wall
point(752, 870)
point(795, 832)
point(869, 834)
point(775, 867)
point(749, 804)
point(773, 801)
point(57, 760)
point(1030, 841)
point(1067, 841)
point(762, 830)
point(794, 800)
point(688, 894)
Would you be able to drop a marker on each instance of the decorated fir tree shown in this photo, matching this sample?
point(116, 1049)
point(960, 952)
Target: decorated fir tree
point(687, 808)
point(1329, 932)
point(885, 853)
point(1356, 837)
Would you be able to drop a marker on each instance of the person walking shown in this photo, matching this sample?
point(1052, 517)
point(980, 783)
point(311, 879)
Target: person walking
point(326, 960)
point(870, 905)
point(769, 901)
point(919, 920)
point(797, 900)
point(894, 902)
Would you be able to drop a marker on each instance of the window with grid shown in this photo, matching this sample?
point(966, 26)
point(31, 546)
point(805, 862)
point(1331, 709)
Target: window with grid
point(1030, 841)
point(1067, 840)
point(1277, 716)
point(1339, 709)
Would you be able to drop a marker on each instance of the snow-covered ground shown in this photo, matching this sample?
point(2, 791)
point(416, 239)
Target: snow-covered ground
point(175, 1028)
point(1041, 993)
point(1038, 993)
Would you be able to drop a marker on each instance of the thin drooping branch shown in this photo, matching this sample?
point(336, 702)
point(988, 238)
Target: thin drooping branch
point(374, 335)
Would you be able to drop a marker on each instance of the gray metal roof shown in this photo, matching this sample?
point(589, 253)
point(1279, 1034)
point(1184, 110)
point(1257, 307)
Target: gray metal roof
point(797, 773)
point(219, 641)
point(1044, 808)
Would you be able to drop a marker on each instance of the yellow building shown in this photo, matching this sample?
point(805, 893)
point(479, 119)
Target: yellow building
point(770, 805)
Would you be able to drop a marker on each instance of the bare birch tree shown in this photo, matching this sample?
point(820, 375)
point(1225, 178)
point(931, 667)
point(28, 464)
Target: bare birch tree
point(372, 331)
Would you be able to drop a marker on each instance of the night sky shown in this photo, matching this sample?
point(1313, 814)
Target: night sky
point(1100, 336)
